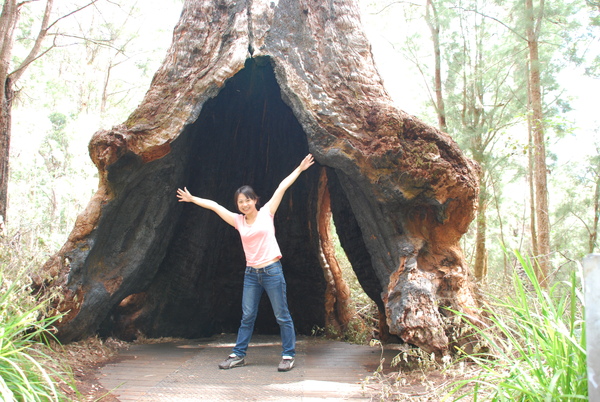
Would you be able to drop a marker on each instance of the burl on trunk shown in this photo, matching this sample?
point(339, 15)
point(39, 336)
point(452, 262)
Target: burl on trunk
point(247, 89)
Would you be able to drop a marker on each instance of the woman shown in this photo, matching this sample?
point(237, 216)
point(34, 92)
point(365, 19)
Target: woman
point(263, 269)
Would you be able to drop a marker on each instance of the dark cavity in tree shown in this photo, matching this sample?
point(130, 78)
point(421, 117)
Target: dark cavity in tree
point(190, 279)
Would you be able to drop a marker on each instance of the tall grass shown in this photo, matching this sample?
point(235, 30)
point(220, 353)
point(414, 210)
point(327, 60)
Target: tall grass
point(534, 345)
point(22, 327)
point(25, 374)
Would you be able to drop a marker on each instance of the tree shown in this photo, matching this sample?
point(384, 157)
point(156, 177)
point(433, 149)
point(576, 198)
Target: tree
point(9, 20)
point(431, 16)
point(534, 19)
point(577, 214)
point(401, 192)
point(482, 103)
point(593, 231)
point(478, 102)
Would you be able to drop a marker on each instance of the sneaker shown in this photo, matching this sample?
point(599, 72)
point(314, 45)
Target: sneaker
point(287, 363)
point(232, 361)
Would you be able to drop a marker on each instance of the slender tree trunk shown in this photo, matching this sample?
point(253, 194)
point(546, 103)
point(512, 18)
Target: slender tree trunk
point(480, 249)
point(105, 89)
point(5, 124)
point(541, 186)
point(594, 233)
point(8, 21)
point(473, 120)
point(480, 266)
point(434, 27)
point(501, 226)
point(479, 123)
point(530, 179)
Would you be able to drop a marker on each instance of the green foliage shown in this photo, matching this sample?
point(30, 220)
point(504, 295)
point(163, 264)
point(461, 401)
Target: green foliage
point(534, 347)
point(485, 91)
point(24, 329)
point(50, 187)
point(575, 214)
point(101, 64)
point(484, 76)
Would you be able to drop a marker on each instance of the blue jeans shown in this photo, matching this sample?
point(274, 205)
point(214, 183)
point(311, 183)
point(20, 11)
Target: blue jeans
point(271, 280)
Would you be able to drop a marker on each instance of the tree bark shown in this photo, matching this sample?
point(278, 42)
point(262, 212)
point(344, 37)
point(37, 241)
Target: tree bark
point(531, 182)
point(540, 169)
point(480, 267)
point(8, 20)
point(5, 124)
point(338, 311)
point(246, 89)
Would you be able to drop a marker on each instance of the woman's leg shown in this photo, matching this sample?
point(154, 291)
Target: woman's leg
point(250, 300)
point(274, 284)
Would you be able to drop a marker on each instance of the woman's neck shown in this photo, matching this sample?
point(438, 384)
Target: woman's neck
point(251, 217)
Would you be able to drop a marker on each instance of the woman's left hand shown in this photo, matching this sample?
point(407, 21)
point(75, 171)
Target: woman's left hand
point(184, 195)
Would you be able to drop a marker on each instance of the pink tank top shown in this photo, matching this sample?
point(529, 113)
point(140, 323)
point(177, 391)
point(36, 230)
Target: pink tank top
point(258, 239)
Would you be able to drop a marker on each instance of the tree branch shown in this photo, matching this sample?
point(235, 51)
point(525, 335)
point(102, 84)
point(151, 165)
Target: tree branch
point(25, 2)
point(33, 53)
point(71, 13)
point(587, 228)
point(100, 42)
point(397, 2)
point(493, 19)
point(538, 22)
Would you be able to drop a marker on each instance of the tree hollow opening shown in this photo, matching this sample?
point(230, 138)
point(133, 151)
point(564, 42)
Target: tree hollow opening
point(245, 135)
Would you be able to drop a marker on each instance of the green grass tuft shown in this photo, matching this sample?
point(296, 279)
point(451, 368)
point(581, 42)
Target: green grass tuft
point(23, 331)
point(534, 345)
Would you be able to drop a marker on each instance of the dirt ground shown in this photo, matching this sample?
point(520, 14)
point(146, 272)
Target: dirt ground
point(83, 360)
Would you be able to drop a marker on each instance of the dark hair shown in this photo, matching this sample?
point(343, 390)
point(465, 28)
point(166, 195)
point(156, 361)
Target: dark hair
point(248, 192)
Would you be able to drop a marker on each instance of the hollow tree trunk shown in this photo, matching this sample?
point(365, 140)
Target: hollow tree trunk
point(246, 90)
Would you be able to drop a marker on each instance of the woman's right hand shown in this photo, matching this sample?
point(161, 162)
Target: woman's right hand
point(184, 195)
point(306, 162)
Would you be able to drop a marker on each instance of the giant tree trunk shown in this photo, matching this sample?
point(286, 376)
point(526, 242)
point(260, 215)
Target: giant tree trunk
point(246, 90)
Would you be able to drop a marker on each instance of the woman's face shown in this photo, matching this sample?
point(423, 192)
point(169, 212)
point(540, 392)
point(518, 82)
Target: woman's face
point(245, 205)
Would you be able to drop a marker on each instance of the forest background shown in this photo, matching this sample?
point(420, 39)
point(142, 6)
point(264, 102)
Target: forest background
point(462, 66)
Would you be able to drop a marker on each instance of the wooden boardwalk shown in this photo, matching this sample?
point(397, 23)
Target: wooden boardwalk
point(186, 370)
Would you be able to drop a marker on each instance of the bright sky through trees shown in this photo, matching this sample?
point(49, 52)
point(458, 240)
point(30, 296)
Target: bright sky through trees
point(406, 85)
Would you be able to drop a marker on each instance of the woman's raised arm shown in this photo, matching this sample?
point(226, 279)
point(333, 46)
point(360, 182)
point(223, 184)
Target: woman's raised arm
point(275, 200)
point(225, 214)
